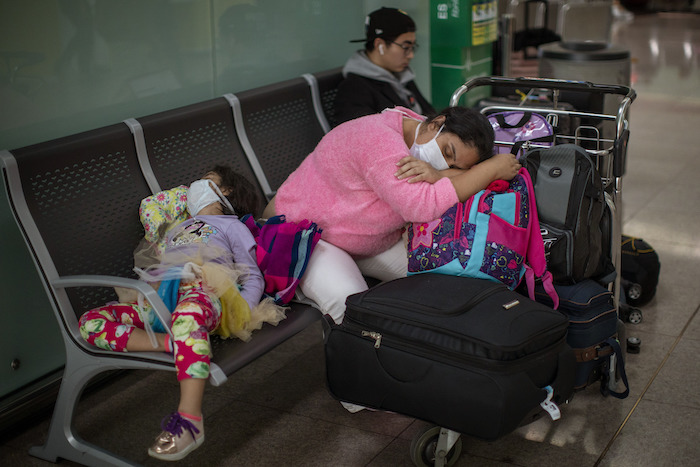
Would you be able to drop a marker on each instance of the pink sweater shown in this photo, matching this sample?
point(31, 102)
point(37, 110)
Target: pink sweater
point(347, 186)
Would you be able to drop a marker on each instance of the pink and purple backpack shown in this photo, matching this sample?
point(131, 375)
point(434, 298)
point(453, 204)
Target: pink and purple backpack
point(494, 235)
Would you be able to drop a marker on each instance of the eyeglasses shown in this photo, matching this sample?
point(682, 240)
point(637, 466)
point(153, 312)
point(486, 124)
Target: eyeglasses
point(407, 47)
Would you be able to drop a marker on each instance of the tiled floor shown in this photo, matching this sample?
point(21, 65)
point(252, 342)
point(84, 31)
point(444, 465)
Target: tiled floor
point(278, 412)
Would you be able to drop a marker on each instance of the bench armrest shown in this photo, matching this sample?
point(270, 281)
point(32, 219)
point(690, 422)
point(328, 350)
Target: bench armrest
point(113, 281)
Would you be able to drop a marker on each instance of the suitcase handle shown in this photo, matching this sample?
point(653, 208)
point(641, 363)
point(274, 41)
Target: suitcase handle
point(533, 83)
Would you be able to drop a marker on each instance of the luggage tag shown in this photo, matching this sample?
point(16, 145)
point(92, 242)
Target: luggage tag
point(550, 406)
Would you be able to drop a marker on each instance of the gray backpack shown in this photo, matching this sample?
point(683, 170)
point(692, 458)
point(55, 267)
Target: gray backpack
point(574, 218)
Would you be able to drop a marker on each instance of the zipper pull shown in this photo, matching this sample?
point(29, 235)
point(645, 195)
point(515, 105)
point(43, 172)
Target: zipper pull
point(374, 335)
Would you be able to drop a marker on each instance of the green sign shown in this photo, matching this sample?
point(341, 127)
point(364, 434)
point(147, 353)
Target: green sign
point(463, 23)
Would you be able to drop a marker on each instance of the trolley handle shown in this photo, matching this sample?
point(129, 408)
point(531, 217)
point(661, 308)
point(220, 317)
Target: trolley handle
point(548, 83)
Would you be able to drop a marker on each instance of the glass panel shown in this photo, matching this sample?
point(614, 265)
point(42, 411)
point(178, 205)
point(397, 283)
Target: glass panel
point(259, 43)
point(30, 341)
point(72, 65)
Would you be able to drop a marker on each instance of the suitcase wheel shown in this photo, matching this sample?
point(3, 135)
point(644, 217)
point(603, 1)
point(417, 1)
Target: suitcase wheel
point(630, 314)
point(634, 291)
point(635, 316)
point(424, 447)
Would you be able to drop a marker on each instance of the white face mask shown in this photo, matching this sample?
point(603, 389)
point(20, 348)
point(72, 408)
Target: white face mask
point(429, 152)
point(202, 193)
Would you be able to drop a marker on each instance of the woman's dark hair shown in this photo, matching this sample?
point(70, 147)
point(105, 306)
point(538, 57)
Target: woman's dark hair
point(243, 196)
point(472, 127)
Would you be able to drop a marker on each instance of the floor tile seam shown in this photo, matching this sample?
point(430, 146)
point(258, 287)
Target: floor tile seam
point(657, 333)
point(9, 447)
point(646, 388)
point(309, 417)
point(267, 376)
point(671, 404)
point(381, 451)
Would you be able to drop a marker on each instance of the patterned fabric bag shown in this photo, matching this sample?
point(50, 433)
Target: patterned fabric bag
point(494, 235)
point(284, 250)
point(517, 127)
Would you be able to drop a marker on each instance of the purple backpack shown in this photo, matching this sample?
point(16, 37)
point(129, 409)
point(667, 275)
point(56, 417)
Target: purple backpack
point(517, 127)
point(494, 235)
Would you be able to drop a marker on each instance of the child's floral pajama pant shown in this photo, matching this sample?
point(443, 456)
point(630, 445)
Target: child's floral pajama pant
point(196, 314)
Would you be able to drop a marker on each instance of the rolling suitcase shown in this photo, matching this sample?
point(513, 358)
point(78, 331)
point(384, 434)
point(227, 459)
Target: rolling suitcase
point(593, 334)
point(466, 354)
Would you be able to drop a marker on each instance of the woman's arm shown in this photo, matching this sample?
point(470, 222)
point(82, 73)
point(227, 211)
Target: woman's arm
point(466, 182)
point(477, 178)
point(416, 170)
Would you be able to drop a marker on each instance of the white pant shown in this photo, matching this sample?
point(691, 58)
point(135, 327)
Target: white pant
point(332, 275)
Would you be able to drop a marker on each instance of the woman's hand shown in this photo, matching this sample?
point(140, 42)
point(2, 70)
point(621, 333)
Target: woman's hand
point(506, 166)
point(417, 170)
point(479, 176)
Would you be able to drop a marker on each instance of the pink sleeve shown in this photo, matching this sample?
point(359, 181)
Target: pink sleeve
point(414, 202)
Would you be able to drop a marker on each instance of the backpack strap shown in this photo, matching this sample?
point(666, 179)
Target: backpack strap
point(620, 367)
point(537, 266)
point(458, 219)
point(501, 119)
point(593, 352)
point(518, 145)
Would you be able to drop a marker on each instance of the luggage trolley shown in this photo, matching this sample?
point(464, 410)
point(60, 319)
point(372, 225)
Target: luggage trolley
point(605, 137)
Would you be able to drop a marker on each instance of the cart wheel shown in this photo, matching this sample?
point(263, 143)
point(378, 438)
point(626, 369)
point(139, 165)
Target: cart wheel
point(635, 316)
point(424, 444)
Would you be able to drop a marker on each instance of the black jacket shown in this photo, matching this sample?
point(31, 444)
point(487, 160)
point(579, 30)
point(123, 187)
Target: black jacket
point(358, 96)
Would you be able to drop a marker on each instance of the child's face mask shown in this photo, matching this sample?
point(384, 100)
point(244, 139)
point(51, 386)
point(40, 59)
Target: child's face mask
point(202, 193)
point(429, 152)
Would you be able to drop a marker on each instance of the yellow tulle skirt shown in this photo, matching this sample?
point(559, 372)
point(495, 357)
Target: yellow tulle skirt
point(220, 281)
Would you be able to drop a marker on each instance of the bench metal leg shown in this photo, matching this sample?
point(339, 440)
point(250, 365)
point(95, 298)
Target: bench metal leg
point(62, 441)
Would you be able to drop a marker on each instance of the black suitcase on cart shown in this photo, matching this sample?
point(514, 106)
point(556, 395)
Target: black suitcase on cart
point(466, 354)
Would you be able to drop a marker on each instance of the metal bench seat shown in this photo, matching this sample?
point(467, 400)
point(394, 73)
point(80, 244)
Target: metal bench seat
point(76, 199)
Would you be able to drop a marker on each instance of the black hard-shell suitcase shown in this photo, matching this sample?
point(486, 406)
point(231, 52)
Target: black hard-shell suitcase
point(467, 354)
